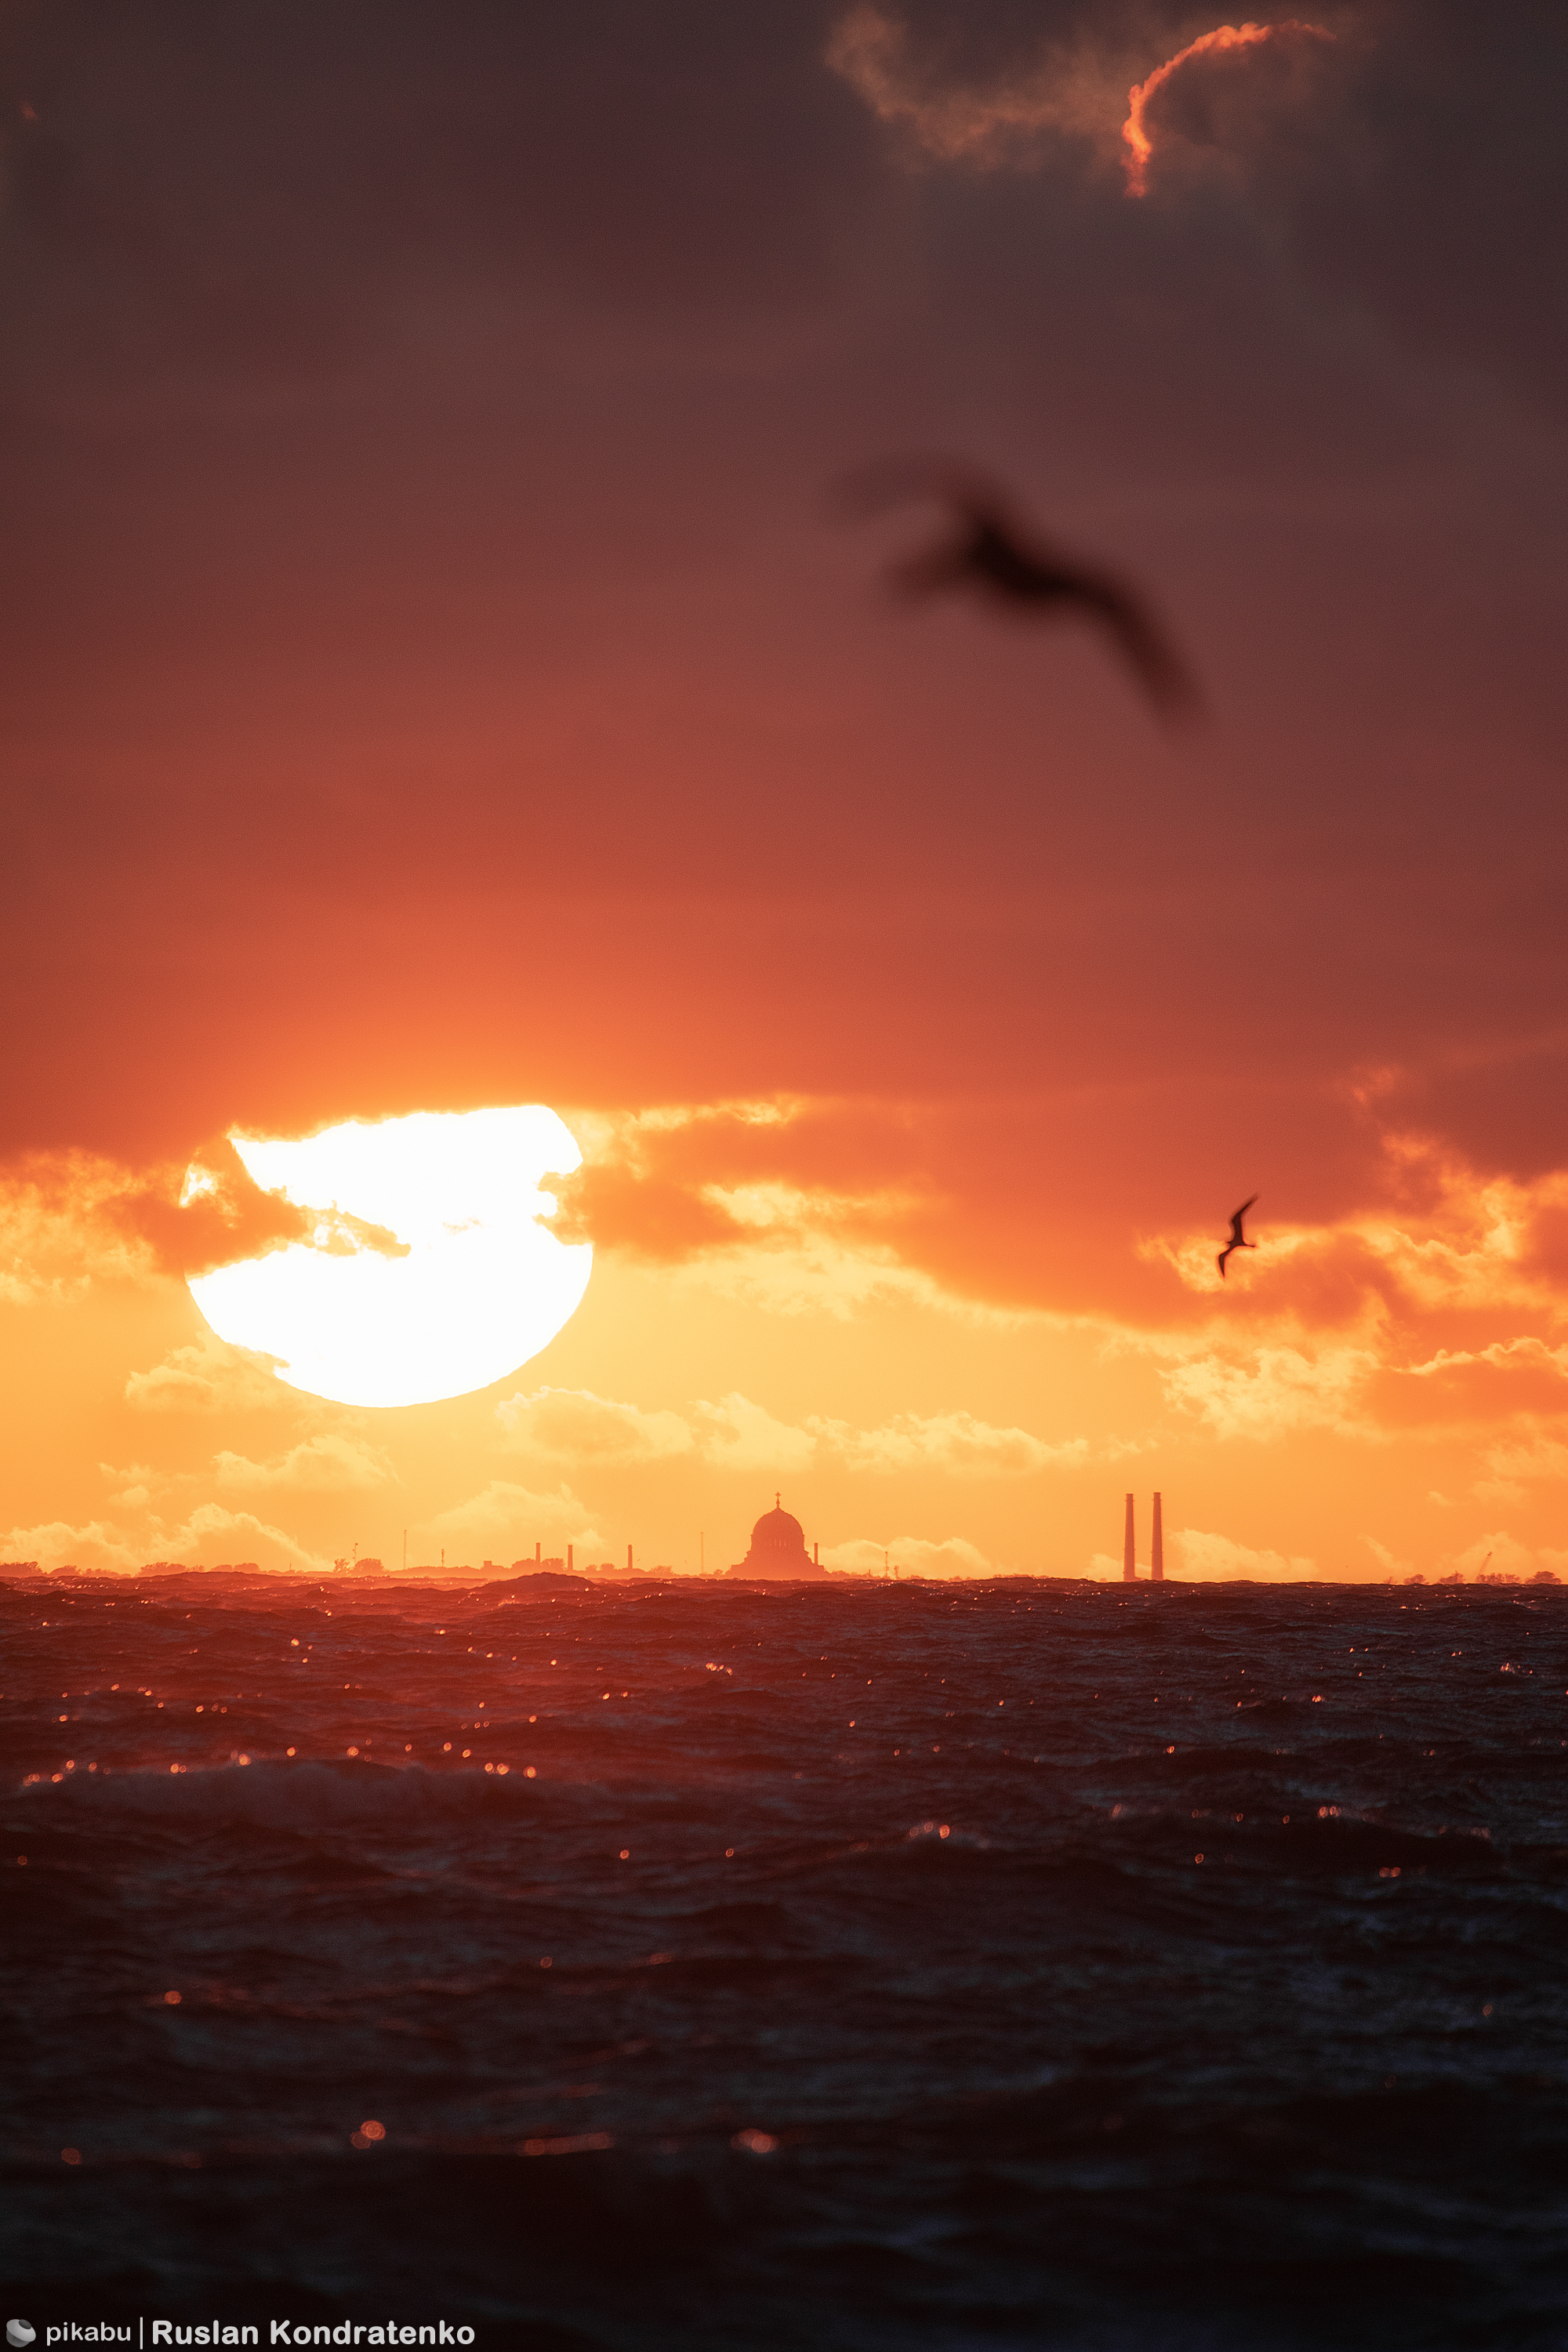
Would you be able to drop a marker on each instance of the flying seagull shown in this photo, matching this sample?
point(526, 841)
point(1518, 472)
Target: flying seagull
point(990, 552)
point(1237, 1239)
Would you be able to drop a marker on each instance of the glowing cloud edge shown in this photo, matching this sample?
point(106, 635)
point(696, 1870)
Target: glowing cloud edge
point(1139, 144)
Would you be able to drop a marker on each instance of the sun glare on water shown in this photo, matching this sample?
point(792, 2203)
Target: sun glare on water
point(427, 1273)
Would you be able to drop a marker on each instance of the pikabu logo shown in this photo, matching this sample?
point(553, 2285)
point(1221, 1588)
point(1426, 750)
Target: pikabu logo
point(72, 2331)
point(20, 2331)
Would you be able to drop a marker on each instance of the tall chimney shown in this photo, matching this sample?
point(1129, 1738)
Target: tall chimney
point(1129, 1555)
point(628, 1559)
point(568, 1560)
point(1157, 1548)
point(538, 1547)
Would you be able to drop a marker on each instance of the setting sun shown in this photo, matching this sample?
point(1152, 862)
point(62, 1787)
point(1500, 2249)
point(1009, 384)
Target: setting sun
point(427, 1273)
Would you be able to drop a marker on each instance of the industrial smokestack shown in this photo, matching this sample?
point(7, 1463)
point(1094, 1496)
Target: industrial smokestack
point(568, 1560)
point(1157, 1548)
point(1129, 1554)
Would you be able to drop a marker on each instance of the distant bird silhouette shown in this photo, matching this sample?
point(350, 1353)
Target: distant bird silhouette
point(991, 552)
point(1237, 1240)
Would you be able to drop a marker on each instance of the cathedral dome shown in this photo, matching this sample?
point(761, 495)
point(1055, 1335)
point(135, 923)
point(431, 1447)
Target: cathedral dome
point(777, 1531)
point(778, 1547)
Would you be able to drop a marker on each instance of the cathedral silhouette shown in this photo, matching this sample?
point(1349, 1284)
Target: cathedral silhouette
point(778, 1548)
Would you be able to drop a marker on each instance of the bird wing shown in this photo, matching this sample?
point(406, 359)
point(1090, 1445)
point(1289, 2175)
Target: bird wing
point(1165, 677)
point(1235, 1232)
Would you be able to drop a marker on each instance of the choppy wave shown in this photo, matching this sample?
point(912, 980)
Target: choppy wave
point(949, 1967)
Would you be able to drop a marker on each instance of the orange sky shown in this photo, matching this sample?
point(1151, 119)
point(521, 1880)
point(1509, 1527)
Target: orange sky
point(433, 677)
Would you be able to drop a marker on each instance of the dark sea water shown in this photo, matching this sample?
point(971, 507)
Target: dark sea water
point(870, 1966)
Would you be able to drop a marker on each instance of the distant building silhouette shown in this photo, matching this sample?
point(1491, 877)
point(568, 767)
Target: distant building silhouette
point(778, 1548)
point(1156, 1546)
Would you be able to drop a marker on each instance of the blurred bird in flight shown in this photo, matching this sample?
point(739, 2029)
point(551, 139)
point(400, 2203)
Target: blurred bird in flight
point(990, 553)
point(1237, 1240)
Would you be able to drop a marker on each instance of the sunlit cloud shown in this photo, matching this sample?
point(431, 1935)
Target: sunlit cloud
point(1386, 1559)
point(1526, 1355)
point(56, 1543)
point(1541, 1457)
point(1510, 1468)
point(212, 1525)
point(326, 1463)
point(736, 1434)
point(1496, 1558)
point(212, 1536)
point(70, 1221)
point(747, 1201)
point(653, 1182)
point(1462, 1240)
point(681, 1180)
point(818, 1276)
point(576, 1427)
point(952, 1556)
point(956, 1443)
point(210, 1377)
point(1202, 1556)
point(1134, 130)
point(1502, 1555)
point(1197, 1556)
point(510, 1519)
point(1399, 1293)
point(1071, 87)
point(1273, 1391)
point(66, 1224)
point(1062, 89)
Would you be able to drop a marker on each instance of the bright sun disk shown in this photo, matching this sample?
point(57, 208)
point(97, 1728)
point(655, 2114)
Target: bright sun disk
point(427, 1273)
